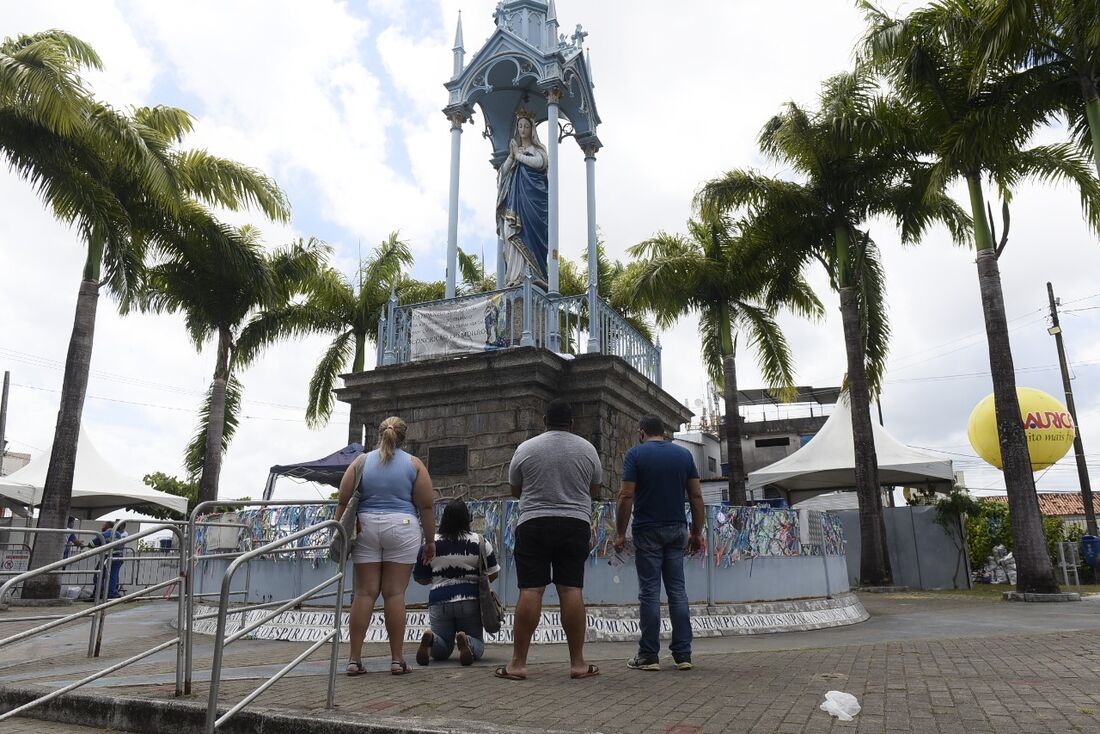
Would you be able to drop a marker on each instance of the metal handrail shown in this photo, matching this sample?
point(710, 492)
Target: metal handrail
point(213, 721)
point(189, 580)
point(97, 609)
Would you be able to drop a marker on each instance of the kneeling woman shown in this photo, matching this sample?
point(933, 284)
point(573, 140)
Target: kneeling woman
point(454, 609)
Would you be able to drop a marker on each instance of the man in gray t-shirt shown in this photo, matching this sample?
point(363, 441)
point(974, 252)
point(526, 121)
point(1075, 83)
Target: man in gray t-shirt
point(556, 471)
point(555, 476)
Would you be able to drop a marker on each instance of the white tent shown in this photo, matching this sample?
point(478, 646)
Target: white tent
point(98, 487)
point(827, 462)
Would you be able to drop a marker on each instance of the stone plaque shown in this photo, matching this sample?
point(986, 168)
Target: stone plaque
point(448, 460)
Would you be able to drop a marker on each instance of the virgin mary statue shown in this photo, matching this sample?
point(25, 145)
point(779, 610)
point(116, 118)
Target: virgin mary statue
point(521, 203)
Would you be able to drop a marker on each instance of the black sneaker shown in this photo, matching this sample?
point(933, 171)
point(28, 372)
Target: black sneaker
point(683, 662)
point(643, 663)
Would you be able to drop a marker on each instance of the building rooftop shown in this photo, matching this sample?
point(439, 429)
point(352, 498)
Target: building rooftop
point(1060, 504)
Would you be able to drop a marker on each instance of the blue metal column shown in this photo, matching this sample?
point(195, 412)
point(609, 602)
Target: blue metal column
point(593, 269)
point(452, 207)
point(553, 337)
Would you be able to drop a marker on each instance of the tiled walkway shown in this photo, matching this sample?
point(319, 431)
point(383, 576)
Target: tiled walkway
point(922, 664)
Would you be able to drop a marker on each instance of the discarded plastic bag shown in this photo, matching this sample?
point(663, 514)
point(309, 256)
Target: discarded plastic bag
point(842, 705)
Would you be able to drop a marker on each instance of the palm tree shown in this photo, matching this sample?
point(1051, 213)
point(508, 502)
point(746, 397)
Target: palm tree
point(123, 183)
point(1057, 42)
point(475, 276)
point(851, 173)
point(346, 309)
point(975, 119)
point(711, 271)
point(217, 297)
point(573, 281)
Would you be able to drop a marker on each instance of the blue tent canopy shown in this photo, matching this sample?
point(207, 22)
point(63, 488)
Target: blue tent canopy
point(327, 470)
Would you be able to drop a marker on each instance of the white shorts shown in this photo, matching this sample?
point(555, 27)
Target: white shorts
point(392, 537)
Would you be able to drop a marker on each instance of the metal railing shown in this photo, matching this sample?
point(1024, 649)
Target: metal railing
point(213, 721)
point(194, 521)
point(533, 318)
point(97, 610)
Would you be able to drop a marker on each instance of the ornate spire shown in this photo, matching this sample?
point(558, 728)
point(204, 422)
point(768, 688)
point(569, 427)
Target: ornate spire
point(459, 52)
point(588, 62)
point(551, 26)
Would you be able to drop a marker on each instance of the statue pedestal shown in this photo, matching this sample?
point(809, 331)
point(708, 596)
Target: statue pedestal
point(467, 414)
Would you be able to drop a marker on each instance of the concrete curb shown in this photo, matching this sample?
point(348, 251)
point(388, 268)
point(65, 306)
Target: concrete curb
point(1030, 596)
point(180, 716)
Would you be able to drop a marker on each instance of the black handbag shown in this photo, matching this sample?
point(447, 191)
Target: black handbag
point(492, 611)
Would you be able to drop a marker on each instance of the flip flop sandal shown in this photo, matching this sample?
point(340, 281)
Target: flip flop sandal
point(355, 667)
point(502, 672)
point(399, 667)
point(592, 671)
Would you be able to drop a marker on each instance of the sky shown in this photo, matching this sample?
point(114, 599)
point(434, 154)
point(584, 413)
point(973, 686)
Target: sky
point(341, 103)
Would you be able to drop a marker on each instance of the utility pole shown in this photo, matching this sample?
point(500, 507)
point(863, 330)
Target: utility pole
point(1055, 330)
point(4, 418)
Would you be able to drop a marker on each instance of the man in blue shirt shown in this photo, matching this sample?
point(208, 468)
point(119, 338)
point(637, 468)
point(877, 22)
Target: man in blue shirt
point(658, 477)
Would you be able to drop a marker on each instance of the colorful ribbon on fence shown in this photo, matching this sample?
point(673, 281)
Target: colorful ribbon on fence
point(738, 533)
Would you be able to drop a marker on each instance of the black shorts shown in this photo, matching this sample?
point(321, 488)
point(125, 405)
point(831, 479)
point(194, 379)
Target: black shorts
point(551, 550)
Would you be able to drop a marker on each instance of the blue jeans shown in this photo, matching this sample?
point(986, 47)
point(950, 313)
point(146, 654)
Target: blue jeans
point(452, 617)
point(111, 581)
point(659, 553)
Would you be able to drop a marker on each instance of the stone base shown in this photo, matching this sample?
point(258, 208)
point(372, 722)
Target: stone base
point(1028, 596)
point(467, 414)
point(605, 624)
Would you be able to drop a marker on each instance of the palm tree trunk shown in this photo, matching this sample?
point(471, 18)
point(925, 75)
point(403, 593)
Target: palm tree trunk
point(215, 429)
point(1092, 113)
point(1034, 572)
point(734, 455)
point(360, 362)
point(58, 490)
point(874, 564)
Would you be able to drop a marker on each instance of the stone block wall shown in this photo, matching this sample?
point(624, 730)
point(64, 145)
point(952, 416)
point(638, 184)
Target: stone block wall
point(490, 403)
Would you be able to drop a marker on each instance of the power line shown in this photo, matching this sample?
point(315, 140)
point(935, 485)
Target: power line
point(39, 361)
point(172, 407)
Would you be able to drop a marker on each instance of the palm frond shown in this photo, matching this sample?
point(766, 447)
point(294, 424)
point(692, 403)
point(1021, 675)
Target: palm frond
point(870, 280)
point(195, 456)
point(773, 355)
point(222, 182)
point(321, 385)
point(281, 323)
point(710, 344)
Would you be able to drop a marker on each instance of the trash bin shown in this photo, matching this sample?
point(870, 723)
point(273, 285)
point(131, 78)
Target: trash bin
point(1090, 549)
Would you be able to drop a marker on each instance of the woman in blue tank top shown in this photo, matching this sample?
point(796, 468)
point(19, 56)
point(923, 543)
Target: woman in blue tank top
point(395, 514)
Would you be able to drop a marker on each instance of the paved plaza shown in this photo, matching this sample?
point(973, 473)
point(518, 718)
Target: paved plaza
point(923, 663)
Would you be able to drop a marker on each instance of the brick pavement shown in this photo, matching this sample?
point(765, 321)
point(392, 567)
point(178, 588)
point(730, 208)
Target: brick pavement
point(1042, 683)
point(1000, 675)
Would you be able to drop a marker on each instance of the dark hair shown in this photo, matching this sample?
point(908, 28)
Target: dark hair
point(559, 414)
point(455, 521)
point(651, 425)
point(122, 526)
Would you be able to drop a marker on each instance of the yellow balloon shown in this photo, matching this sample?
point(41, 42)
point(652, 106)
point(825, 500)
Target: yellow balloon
point(1047, 423)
